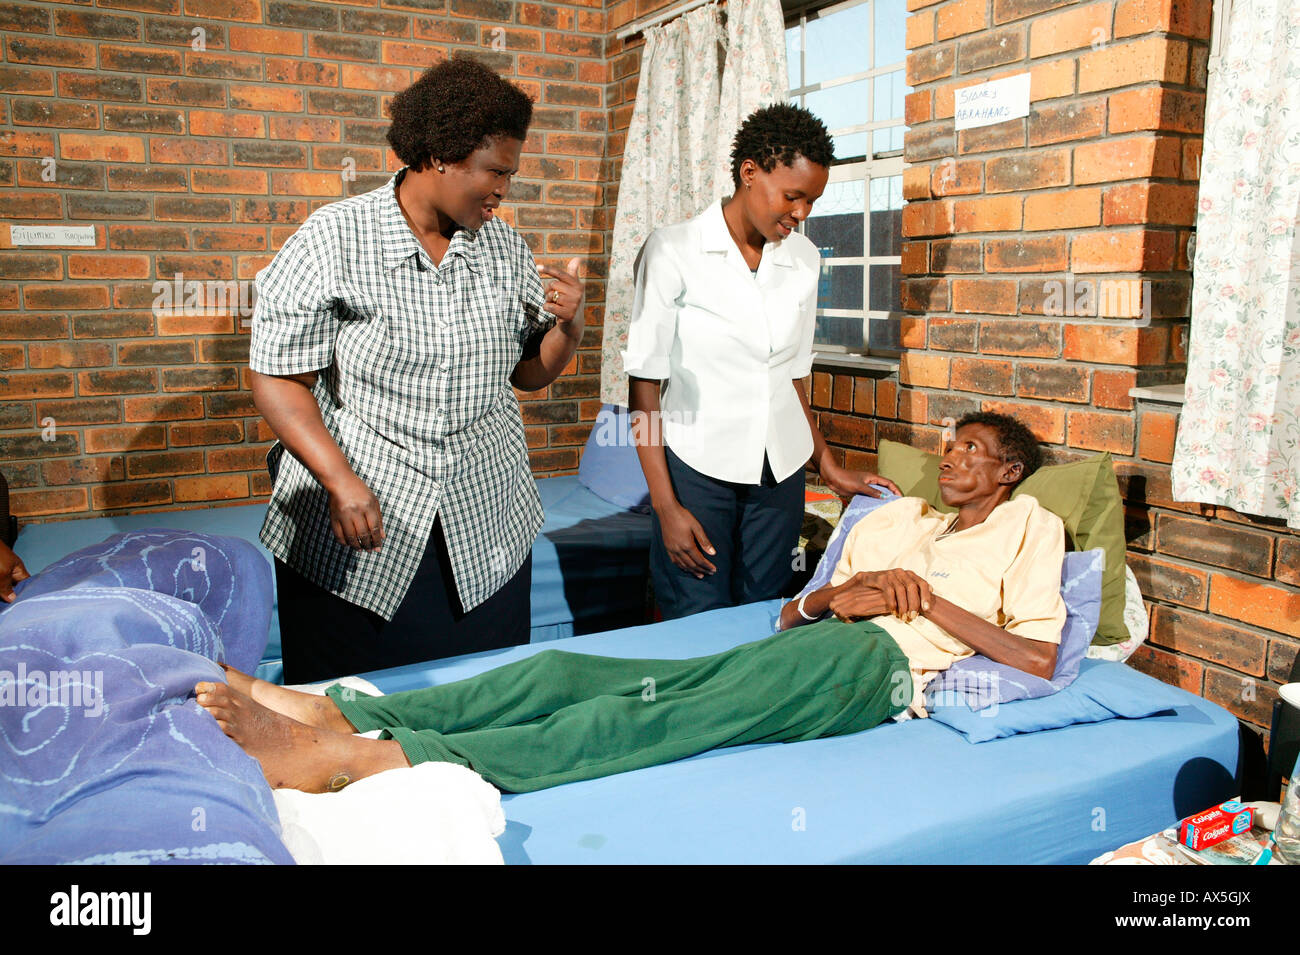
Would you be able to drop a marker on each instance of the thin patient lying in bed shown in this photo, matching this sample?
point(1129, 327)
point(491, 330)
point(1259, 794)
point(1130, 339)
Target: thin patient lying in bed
point(915, 591)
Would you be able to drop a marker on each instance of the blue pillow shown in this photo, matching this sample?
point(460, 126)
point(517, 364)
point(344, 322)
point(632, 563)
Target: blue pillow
point(610, 468)
point(981, 682)
point(1103, 690)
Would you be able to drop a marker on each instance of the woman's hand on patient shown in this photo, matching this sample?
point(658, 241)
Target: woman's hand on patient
point(354, 515)
point(847, 483)
point(685, 541)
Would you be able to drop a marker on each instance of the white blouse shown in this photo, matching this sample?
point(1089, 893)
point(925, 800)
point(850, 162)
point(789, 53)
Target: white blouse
point(727, 345)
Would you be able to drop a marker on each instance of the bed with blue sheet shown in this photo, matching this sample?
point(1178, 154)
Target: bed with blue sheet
point(588, 546)
point(131, 770)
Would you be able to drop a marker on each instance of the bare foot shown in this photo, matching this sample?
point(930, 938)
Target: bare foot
point(318, 711)
point(294, 755)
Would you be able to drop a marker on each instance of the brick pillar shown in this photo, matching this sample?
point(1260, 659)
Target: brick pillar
point(1046, 274)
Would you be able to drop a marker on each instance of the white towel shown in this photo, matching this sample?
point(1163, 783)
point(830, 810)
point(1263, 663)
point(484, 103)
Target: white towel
point(430, 814)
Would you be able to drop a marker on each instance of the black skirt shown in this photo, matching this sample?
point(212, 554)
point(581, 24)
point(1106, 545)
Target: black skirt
point(324, 636)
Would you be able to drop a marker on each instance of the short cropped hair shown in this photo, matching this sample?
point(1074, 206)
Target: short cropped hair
point(1016, 442)
point(781, 133)
point(452, 110)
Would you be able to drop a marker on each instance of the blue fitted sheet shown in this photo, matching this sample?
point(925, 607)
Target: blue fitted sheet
point(590, 561)
point(912, 792)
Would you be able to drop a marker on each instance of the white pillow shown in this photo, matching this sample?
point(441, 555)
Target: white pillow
point(1135, 619)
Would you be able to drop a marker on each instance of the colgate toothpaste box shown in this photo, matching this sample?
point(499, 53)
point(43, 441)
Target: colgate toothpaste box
point(1215, 825)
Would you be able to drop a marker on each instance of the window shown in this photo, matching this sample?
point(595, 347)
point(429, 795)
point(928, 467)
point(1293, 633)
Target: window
point(846, 65)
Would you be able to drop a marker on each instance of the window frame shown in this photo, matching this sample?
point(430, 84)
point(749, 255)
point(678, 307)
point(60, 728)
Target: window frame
point(886, 164)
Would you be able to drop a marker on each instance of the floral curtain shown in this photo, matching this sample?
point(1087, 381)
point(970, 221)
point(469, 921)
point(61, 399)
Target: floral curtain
point(1238, 441)
point(687, 110)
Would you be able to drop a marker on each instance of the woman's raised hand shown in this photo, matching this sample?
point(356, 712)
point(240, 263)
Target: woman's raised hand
point(686, 542)
point(354, 515)
point(564, 295)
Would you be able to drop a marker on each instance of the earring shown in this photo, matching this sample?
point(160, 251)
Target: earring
point(440, 169)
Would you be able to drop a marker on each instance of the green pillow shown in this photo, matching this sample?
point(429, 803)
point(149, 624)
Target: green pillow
point(1083, 494)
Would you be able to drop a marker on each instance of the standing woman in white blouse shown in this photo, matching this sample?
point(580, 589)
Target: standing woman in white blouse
point(719, 343)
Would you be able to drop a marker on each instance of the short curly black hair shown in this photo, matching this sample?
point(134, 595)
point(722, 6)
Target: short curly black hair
point(1016, 441)
point(452, 110)
point(780, 133)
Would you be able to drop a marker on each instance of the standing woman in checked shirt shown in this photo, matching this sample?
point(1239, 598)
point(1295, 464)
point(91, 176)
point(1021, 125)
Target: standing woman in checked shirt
point(719, 342)
point(387, 334)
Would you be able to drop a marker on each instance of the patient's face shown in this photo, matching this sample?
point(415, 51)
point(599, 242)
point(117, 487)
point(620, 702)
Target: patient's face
point(973, 469)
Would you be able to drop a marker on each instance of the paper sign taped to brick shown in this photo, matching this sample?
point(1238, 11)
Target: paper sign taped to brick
point(994, 102)
point(52, 235)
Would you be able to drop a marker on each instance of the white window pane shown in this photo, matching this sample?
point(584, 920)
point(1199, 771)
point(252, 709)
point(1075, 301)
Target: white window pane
point(836, 223)
point(840, 106)
point(846, 332)
point(837, 44)
point(891, 20)
point(844, 290)
point(886, 216)
point(888, 101)
point(884, 288)
point(850, 145)
point(793, 55)
point(886, 140)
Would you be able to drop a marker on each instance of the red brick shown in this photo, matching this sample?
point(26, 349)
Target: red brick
point(1150, 59)
point(1084, 119)
point(1189, 18)
point(1158, 203)
point(1046, 254)
point(1142, 157)
point(1098, 431)
point(38, 503)
point(925, 371)
point(166, 464)
point(1047, 424)
point(214, 432)
point(1070, 30)
point(222, 487)
point(993, 214)
point(1261, 605)
point(1110, 389)
point(130, 494)
point(1217, 543)
point(1052, 382)
point(1288, 561)
point(1129, 250)
point(950, 178)
point(1073, 208)
point(1156, 108)
point(1029, 339)
point(1240, 695)
point(983, 376)
point(1040, 169)
point(42, 385)
point(1168, 668)
point(988, 296)
point(1162, 580)
point(961, 17)
point(1156, 439)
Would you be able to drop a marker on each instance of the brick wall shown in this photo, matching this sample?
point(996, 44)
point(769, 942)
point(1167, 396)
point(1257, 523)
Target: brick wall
point(1098, 184)
point(202, 162)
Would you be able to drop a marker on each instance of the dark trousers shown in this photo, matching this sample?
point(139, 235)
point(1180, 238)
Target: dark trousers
point(753, 527)
point(324, 636)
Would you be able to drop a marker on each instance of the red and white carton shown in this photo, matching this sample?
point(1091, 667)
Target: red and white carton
point(1215, 825)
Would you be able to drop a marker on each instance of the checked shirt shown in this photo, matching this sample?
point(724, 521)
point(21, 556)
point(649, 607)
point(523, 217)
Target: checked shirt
point(414, 363)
